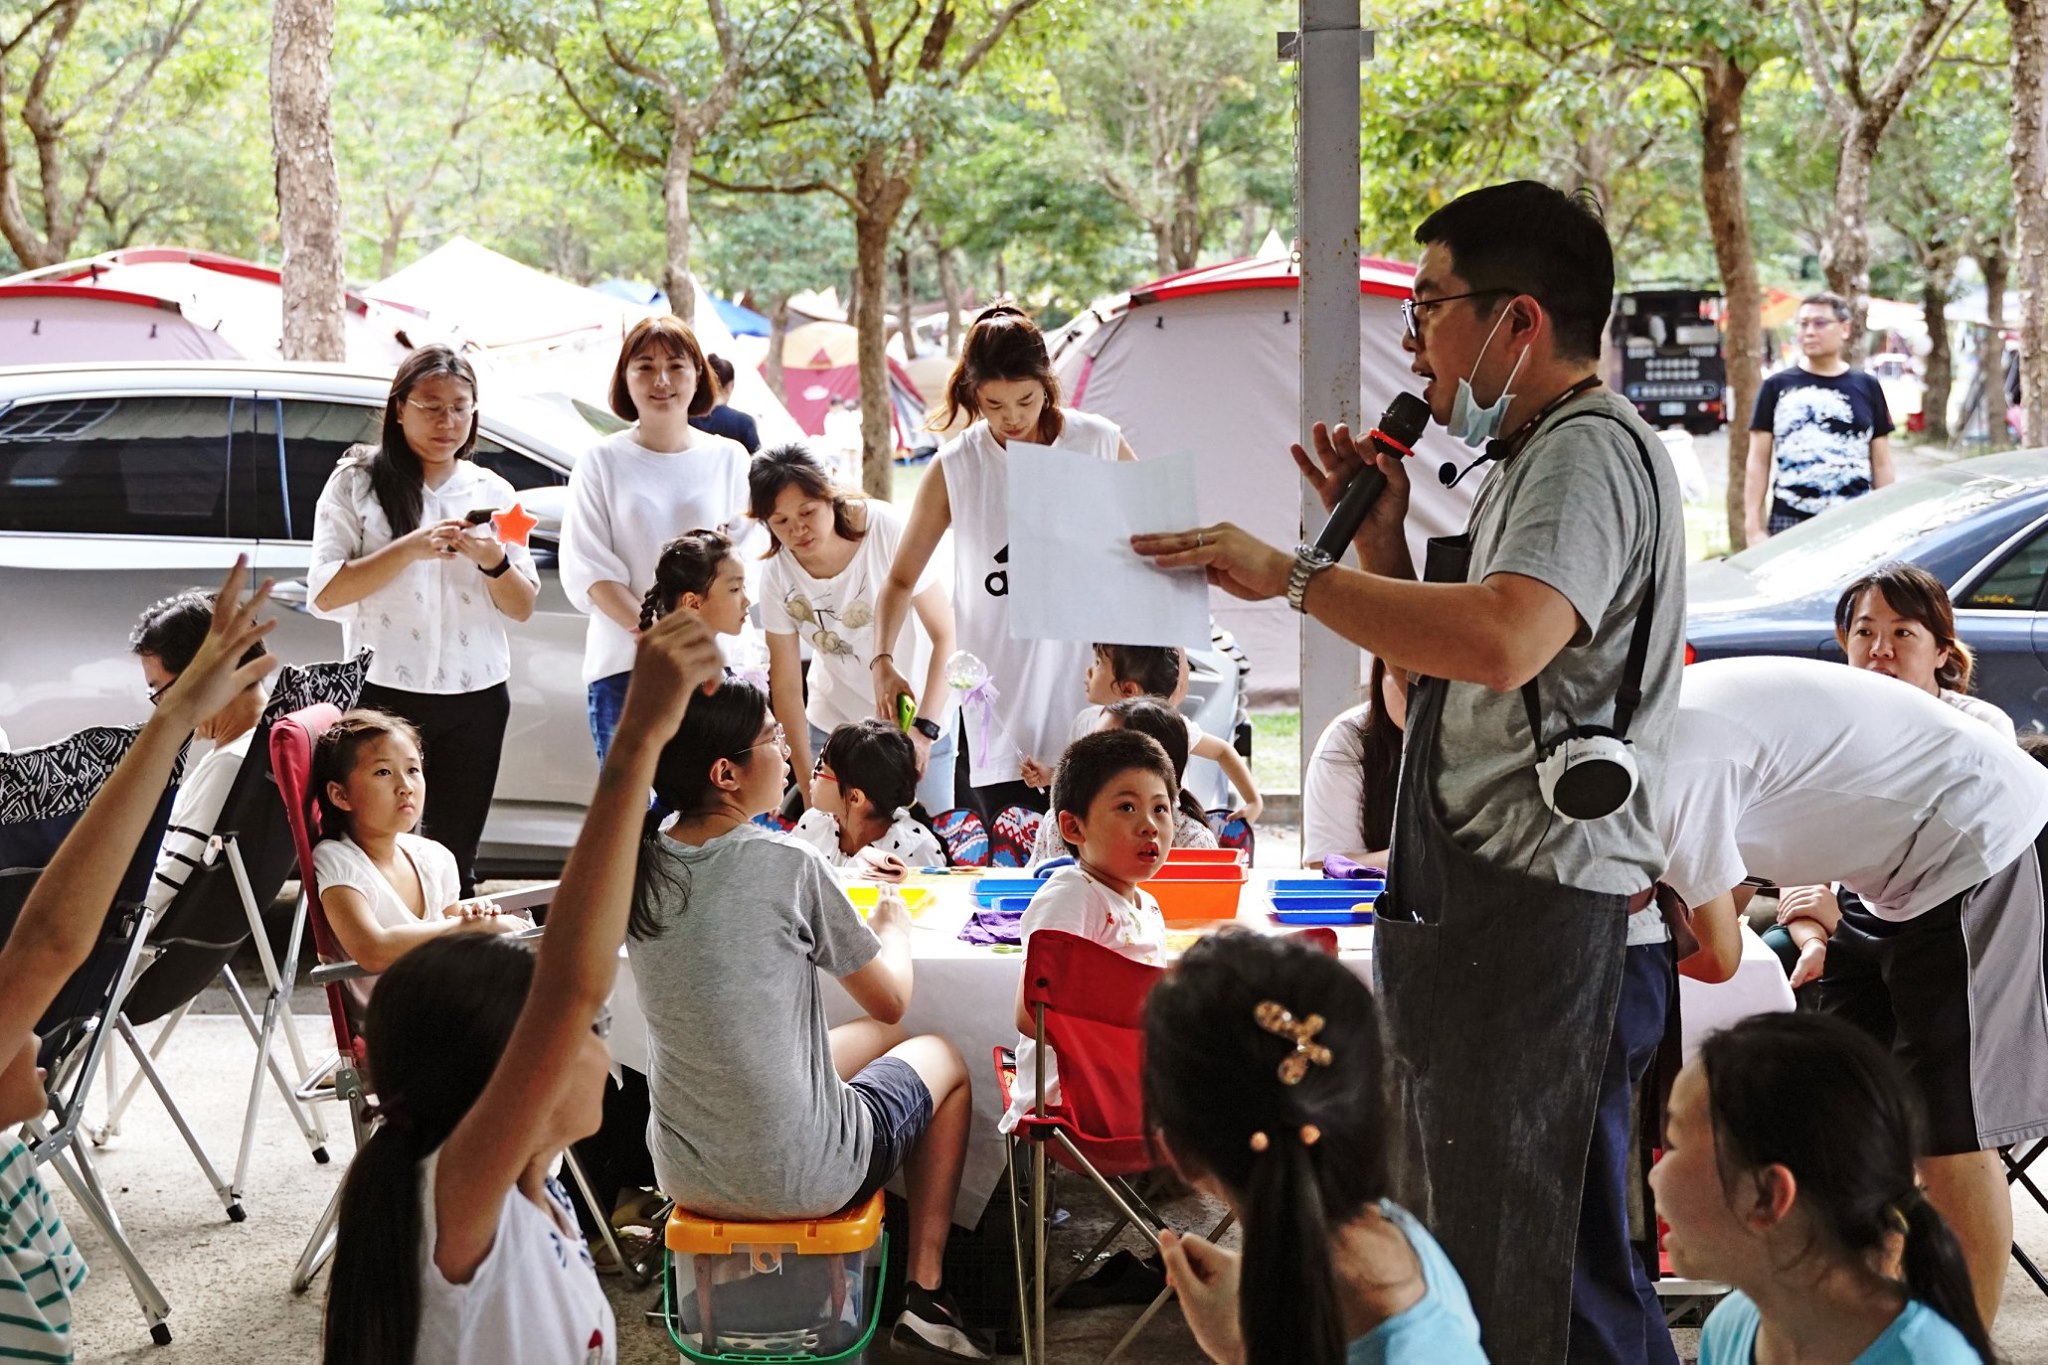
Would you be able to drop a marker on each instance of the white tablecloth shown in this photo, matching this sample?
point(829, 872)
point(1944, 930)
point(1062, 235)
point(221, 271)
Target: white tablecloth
point(967, 993)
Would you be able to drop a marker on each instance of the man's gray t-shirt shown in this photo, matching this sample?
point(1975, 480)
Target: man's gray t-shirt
point(1573, 510)
point(749, 1118)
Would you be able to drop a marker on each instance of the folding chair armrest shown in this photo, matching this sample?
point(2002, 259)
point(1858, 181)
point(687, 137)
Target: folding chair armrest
point(332, 973)
point(526, 897)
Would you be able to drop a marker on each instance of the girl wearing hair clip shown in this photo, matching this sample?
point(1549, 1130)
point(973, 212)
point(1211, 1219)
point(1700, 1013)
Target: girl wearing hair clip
point(1263, 1089)
point(1005, 381)
point(1788, 1173)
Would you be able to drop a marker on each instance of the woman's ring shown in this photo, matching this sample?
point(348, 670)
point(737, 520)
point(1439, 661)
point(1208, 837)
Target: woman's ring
point(1201, 540)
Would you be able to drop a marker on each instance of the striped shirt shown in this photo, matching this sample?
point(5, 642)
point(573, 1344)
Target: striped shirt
point(39, 1268)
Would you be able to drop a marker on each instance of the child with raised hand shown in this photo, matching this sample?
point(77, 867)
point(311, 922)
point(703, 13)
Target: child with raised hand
point(454, 1245)
point(384, 889)
point(1147, 716)
point(1263, 1088)
point(1119, 672)
point(1788, 1173)
point(861, 791)
point(55, 933)
point(1113, 804)
point(759, 1110)
point(700, 572)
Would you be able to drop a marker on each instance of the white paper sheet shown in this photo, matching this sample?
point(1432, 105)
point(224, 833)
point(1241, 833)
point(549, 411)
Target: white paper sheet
point(1073, 575)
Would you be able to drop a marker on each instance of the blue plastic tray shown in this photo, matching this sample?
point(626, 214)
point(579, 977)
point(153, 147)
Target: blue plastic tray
point(1365, 887)
point(1347, 916)
point(1323, 902)
point(988, 890)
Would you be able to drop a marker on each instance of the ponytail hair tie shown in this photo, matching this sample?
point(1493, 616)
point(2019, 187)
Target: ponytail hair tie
point(1899, 1212)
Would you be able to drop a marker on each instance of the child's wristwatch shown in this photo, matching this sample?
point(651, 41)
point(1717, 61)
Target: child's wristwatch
point(927, 727)
point(1308, 562)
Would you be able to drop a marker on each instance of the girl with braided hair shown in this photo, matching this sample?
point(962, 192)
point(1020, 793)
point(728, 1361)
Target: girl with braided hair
point(700, 572)
point(1263, 1088)
point(1788, 1173)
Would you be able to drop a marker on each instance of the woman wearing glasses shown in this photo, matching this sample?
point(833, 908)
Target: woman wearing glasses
point(638, 489)
point(397, 563)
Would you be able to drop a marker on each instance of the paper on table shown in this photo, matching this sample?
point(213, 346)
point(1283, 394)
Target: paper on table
point(1072, 573)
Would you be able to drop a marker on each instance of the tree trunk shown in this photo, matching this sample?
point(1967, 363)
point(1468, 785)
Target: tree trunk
point(1992, 263)
point(1934, 289)
point(872, 224)
point(1187, 216)
point(949, 285)
point(1002, 276)
point(908, 304)
point(2029, 20)
point(1845, 252)
point(778, 332)
point(1162, 247)
point(676, 280)
point(1724, 83)
point(308, 182)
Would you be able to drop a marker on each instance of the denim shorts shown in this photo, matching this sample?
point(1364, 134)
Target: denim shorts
point(901, 1108)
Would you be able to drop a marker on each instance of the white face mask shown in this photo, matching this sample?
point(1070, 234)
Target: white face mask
point(1470, 423)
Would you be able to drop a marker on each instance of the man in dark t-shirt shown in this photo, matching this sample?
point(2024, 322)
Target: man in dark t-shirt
point(723, 419)
point(1821, 434)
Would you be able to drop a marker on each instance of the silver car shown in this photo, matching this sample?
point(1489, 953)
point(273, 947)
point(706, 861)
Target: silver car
point(123, 483)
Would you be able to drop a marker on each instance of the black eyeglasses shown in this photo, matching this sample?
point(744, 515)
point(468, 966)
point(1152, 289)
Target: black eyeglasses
point(1411, 309)
point(602, 1025)
point(158, 695)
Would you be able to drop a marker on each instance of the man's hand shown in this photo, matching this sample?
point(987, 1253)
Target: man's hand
point(215, 677)
point(1338, 458)
point(1235, 560)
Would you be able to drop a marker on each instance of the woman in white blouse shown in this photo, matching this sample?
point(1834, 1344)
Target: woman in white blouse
point(637, 490)
point(397, 562)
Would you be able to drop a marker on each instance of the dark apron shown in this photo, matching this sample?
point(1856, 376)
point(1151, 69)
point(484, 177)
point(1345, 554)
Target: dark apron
point(1499, 991)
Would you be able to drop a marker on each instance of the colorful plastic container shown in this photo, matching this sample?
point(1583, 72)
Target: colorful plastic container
point(917, 899)
point(989, 890)
point(1206, 855)
point(1192, 894)
point(805, 1291)
point(1319, 900)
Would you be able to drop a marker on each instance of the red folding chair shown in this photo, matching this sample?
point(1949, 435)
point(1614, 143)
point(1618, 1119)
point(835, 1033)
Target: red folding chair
point(1087, 1002)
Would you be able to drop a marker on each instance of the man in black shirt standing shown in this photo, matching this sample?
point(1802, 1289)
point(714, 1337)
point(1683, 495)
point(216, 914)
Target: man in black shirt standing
point(1822, 430)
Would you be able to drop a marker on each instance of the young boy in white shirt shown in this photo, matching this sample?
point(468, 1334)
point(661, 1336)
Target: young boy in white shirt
point(1114, 796)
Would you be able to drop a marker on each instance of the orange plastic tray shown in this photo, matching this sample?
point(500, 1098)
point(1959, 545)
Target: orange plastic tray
point(1173, 871)
point(1208, 856)
point(1187, 901)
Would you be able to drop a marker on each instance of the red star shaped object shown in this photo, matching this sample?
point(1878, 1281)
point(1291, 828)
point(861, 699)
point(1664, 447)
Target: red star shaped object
point(513, 525)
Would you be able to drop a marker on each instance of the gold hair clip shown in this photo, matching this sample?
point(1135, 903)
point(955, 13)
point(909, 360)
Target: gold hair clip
point(1310, 1136)
point(1260, 1142)
point(1276, 1019)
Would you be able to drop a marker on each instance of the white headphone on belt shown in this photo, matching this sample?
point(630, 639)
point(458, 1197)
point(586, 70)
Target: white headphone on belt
point(1590, 771)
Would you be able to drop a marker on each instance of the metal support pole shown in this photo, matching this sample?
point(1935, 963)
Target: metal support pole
point(1328, 50)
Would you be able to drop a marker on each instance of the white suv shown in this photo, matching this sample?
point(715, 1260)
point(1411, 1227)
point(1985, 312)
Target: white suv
point(121, 484)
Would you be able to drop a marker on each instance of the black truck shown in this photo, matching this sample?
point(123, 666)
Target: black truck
point(1664, 355)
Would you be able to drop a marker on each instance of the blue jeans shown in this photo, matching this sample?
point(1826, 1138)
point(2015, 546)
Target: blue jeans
point(1615, 1314)
point(935, 788)
point(607, 701)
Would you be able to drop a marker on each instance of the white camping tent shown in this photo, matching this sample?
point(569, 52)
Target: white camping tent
point(168, 303)
point(542, 334)
point(1208, 362)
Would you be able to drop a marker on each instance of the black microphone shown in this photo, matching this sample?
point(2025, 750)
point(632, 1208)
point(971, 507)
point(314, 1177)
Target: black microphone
point(1450, 476)
point(1400, 427)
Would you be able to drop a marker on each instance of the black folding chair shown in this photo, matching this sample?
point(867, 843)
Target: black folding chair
point(42, 793)
point(2018, 1159)
point(229, 898)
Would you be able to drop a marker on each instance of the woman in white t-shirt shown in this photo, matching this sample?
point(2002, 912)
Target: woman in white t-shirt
point(1347, 790)
point(397, 560)
point(1897, 620)
point(1006, 378)
point(821, 583)
point(635, 491)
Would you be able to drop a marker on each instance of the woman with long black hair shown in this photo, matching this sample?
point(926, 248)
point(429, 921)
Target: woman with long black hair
point(396, 561)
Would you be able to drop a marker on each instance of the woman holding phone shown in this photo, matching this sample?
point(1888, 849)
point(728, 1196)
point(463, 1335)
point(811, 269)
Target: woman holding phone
point(398, 560)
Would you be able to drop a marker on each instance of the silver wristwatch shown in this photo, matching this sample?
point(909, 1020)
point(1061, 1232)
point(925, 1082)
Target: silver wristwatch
point(1308, 562)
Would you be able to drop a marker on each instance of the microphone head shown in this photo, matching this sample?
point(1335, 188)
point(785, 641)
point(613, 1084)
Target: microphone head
point(1405, 419)
point(1447, 473)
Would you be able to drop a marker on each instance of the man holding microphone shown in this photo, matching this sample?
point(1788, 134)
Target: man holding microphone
point(1519, 958)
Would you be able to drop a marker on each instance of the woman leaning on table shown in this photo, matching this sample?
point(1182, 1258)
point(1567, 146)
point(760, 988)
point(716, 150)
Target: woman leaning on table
point(395, 561)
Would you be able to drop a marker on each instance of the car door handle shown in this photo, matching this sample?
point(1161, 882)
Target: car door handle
point(291, 593)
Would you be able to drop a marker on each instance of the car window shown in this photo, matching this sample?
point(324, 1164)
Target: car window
point(147, 466)
point(2014, 585)
point(521, 471)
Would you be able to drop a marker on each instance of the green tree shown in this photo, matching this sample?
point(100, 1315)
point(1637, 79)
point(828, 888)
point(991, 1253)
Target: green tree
point(773, 246)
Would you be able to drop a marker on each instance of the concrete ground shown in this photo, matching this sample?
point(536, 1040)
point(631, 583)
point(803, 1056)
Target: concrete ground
point(228, 1284)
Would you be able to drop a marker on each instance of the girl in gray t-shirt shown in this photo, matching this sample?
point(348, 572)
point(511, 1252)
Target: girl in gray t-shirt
point(760, 1111)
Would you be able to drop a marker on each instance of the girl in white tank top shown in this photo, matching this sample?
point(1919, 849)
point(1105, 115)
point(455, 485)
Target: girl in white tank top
point(1005, 379)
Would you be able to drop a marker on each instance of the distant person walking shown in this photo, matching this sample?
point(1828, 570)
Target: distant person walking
point(1821, 434)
